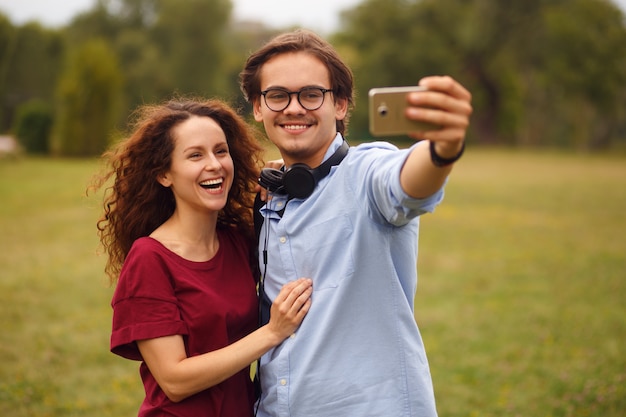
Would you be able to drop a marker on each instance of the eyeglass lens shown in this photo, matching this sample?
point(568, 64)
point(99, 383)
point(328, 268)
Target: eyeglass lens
point(309, 98)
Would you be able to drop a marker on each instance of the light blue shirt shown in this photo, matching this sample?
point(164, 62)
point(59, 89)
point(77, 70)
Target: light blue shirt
point(358, 352)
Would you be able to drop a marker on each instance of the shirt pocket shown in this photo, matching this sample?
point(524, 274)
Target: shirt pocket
point(328, 257)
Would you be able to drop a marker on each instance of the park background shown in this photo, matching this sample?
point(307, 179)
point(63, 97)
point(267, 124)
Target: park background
point(521, 292)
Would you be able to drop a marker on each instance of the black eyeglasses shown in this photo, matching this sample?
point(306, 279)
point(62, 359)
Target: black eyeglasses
point(310, 98)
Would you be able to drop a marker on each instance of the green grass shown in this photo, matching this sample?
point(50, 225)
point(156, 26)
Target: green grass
point(54, 298)
point(522, 287)
point(521, 299)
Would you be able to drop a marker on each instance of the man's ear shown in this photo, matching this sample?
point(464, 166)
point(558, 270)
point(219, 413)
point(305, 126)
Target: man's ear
point(256, 109)
point(341, 108)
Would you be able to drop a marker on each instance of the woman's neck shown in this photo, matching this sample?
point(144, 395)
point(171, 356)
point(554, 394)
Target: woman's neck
point(193, 237)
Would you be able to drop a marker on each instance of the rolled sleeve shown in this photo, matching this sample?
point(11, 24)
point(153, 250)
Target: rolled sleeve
point(143, 318)
point(380, 164)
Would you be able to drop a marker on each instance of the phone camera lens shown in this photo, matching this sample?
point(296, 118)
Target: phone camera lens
point(382, 110)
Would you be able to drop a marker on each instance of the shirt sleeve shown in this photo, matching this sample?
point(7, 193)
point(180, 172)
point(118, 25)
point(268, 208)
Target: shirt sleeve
point(380, 164)
point(144, 304)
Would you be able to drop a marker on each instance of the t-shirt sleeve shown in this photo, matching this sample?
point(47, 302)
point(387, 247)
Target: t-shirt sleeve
point(144, 303)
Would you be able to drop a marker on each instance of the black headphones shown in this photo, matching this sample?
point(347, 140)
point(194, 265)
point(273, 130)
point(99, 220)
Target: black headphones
point(300, 180)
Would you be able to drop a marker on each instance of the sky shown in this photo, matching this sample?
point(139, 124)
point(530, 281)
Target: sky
point(317, 15)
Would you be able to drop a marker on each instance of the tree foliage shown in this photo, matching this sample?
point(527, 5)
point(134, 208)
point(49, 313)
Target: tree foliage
point(33, 124)
point(163, 46)
point(189, 36)
point(31, 57)
point(542, 72)
point(88, 100)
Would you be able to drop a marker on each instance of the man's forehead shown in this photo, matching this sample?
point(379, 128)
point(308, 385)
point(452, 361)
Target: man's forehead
point(294, 71)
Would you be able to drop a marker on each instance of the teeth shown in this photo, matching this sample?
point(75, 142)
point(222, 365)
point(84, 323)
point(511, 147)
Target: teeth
point(295, 127)
point(212, 183)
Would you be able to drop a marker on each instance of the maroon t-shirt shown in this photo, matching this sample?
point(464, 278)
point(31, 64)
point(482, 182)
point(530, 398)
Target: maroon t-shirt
point(211, 304)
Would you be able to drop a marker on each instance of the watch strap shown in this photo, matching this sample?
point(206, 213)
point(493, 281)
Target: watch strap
point(440, 161)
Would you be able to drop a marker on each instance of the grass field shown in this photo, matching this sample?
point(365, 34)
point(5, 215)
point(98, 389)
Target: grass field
point(521, 299)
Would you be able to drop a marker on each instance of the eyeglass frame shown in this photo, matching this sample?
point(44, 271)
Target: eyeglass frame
point(290, 93)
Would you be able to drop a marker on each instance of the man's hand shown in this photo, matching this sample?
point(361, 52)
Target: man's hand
point(446, 103)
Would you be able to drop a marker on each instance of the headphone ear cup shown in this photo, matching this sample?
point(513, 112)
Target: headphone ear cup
point(271, 179)
point(299, 181)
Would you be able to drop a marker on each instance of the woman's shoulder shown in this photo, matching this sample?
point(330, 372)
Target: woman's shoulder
point(149, 250)
point(145, 245)
point(143, 253)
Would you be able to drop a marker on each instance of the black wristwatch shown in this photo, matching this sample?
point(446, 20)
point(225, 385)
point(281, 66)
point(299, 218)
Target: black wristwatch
point(442, 162)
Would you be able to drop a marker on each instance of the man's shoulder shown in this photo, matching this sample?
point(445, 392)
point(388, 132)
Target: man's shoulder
point(375, 145)
point(367, 153)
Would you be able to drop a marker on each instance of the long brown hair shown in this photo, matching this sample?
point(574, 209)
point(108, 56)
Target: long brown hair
point(341, 78)
point(136, 204)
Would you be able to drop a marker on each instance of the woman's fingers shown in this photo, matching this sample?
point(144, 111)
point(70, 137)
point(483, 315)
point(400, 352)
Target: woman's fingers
point(294, 295)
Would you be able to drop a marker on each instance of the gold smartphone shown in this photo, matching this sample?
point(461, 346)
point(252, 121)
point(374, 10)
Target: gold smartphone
point(386, 112)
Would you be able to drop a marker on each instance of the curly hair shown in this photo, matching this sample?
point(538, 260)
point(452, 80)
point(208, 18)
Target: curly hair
point(136, 204)
point(300, 40)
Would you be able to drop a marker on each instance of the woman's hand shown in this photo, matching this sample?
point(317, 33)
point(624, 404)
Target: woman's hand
point(290, 307)
point(180, 376)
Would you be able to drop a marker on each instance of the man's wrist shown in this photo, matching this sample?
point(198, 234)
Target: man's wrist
point(441, 161)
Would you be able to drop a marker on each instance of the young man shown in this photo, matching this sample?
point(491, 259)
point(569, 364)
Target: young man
point(351, 224)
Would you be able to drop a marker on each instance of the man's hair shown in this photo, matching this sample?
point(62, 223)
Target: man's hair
point(342, 82)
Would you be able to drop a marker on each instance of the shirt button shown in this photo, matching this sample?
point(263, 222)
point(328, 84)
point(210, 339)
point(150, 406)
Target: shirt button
point(292, 335)
point(283, 239)
point(283, 382)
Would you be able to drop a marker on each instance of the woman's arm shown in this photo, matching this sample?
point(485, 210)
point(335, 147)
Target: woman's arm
point(180, 377)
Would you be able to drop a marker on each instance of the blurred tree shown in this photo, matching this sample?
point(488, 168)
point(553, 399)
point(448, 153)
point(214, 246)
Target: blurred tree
point(142, 64)
point(134, 14)
point(586, 72)
point(89, 94)
point(98, 23)
point(7, 49)
point(32, 126)
point(239, 40)
point(116, 23)
point(189, 36)
point(163, 46)
point(36, 62)
point(542, 72)
point(388, 43)
point(31, 61)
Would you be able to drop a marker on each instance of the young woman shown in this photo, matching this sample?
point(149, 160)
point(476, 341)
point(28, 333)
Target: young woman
point(177, 229)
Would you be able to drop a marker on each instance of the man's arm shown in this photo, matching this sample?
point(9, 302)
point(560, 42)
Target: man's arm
point(448, 104)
